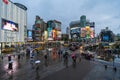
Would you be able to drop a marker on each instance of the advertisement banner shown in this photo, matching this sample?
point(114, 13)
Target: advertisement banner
point(75, 32)
point(29, 35)
point(49, 32)
point(83, 32)
point(9, 25)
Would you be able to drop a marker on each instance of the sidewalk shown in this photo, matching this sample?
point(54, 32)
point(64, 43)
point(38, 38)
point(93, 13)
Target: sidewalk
point(109, 64)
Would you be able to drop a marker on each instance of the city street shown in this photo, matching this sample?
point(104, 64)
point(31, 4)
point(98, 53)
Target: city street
point(54, 40)
point(84, 70)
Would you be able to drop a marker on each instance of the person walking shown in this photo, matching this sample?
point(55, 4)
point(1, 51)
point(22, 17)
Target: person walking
point(27, 52)
point(9, 58)
point(46, 59)
point(79, 58)
point(65, 56)
point(60, 54)
point(10, 65)
point(18, 57)
point(32, 58)
point(54, 55)
point(74, 57)
point(2, 57)
point(37, 69)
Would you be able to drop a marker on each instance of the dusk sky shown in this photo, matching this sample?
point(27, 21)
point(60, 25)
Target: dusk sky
point(105, 13)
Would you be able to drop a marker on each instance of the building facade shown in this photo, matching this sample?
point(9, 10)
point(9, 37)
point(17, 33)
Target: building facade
point(54, 30)
point(83, 21)
point(106, 35)
point(38, 29)
point(13, 23)
point(75, 29)
point(43, 31)
point(82, 29)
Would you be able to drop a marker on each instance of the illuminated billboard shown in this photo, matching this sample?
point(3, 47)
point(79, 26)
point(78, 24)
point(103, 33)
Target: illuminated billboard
point(45, 35)
point(83, 32)
point(54, 34)
point(87, 32)
point(87, 28)
point(106, 38)
point(59, 34)
point(49, 32)
point(9, 25)
point(92, 32)
point(29, 35)
point(75, 32)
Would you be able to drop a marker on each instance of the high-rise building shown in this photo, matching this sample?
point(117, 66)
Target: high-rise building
point(83, 21)
point(13, 23)
point(106, 35)
point(75, 29)
point(54, 30)
point(82, 29)
point(50, 25)
point(38, 29)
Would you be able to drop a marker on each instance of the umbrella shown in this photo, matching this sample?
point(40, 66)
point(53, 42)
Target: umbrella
point(11, 61)
point(38, 61)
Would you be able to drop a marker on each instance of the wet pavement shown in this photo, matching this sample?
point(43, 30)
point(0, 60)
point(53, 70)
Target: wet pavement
point(56, 70)
point(23, 70)
point(85, 70)
point(99, 73)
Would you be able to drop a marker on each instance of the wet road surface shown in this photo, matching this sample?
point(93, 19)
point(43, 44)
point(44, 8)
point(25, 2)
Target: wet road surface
point(84, 70)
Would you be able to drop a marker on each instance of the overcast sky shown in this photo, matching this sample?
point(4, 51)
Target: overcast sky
point(105, 13)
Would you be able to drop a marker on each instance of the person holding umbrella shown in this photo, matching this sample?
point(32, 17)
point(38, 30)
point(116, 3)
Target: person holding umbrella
point(10, 65)
point(37, 64)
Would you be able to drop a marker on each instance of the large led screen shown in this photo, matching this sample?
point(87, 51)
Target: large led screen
point(49, 32)
point(83, 32)
point(87, 32)
point(92, 32)
point(106, 38)
point(29, 34)
point(75, 32)
point(9, 25)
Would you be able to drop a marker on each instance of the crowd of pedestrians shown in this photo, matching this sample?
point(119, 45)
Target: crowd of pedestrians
point(56, 55)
